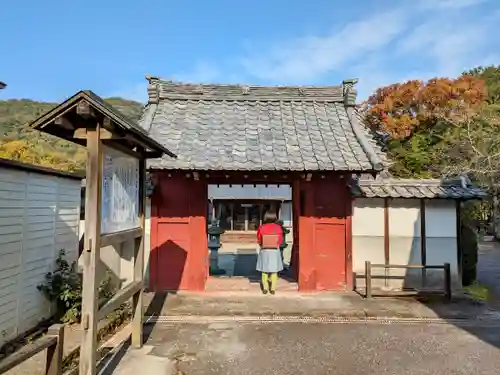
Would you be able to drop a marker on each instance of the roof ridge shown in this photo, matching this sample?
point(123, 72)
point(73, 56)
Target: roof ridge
point(159, 89)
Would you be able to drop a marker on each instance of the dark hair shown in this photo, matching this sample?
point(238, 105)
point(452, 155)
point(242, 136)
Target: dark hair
point(270, 217)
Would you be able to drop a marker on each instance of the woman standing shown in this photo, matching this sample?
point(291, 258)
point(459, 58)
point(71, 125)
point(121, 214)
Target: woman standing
point(269, 261)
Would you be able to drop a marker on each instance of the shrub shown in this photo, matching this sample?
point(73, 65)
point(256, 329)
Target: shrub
point(63, 286)
point(469, 250)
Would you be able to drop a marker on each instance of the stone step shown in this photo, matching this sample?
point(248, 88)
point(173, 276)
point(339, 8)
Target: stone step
point(239, 237)
point(245, 284)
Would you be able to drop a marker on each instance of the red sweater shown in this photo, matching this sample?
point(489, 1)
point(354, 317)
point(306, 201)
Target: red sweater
point(270, 228)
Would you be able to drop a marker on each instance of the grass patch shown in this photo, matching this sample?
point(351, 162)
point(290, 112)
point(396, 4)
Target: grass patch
point(478, 291)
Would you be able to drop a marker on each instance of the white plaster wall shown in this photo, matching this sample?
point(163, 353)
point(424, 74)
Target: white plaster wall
point(367, 235)
point(404, 240)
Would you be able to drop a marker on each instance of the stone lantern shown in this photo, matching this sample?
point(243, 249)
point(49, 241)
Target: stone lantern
point(214, 244)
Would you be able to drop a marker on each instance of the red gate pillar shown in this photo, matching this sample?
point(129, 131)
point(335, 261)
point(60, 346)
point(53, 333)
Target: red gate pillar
point(179, 249)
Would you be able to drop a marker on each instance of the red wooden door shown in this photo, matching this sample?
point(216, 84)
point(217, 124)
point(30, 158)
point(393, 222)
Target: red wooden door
point(179, 253)
point(329, 234)
point(322, 235)
point(330, 256)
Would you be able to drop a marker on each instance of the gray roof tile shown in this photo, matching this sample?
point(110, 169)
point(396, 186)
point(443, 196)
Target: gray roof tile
point(386, 186)
point(233, 127)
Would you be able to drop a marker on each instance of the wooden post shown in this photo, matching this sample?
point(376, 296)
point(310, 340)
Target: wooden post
point(137, 300)
point(368, 279)
point(55, 352)
point(350, 279)
point(387, 239)
point(423, 242)
point(91, 253)
point(458, 224)
point(447, 281)
point(246, 218)
point(231, 206)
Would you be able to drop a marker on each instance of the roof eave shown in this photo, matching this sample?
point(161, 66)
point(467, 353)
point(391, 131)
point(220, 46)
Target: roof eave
point(47, 123)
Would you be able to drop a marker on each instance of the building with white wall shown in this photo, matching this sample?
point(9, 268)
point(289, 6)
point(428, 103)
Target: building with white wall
point(39, 216)
point(408, 222)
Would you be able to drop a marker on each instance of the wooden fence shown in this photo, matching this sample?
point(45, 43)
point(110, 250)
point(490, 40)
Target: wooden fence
point(445, 267)
point(53, 341)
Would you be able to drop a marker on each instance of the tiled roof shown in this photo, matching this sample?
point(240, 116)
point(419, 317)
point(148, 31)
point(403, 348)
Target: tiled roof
point(386, 186)
point(234, 127)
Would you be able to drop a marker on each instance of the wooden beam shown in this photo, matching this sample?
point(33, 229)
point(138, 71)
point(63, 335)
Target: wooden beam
point(91, 252)
point(26, 353)
point(124, 148)
point(81, 133)
point(122, 296)
point(136, 141)
point(121, 236)
point(153, 155)
point(137, 301)
point(423, 241)
point(387, 238)
point(85, 110)
point(64, 123)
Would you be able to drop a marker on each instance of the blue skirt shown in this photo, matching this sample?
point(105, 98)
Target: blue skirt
point(269, 260)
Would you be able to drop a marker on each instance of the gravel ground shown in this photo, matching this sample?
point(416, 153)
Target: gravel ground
point(310, 348)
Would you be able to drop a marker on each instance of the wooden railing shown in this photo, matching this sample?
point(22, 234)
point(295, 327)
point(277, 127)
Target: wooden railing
point(446, 267)
point(53, 341)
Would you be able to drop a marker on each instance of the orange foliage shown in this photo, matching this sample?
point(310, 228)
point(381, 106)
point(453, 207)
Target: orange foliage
point(401, 108)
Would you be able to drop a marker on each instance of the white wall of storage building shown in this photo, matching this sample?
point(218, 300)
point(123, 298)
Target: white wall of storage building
point(39, 216)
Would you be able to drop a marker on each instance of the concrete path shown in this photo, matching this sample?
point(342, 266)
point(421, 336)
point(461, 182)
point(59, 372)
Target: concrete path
point(349, 305)
point(290, 348)
point(488, 269)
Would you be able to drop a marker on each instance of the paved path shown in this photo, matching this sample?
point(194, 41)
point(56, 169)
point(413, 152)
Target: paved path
point(488, 269)
point(312, 304)
point(291, 348)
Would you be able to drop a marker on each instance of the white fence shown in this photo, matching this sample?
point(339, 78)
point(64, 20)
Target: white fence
point(39, 216)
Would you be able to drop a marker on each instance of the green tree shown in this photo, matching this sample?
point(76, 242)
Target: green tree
point(19, 142)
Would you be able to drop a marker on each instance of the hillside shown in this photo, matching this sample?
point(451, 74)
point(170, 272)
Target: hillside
point(19, 142)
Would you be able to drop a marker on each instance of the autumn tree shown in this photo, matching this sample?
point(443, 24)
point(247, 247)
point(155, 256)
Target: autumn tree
point(491, 77)
point(416, 114)
point(403, 108)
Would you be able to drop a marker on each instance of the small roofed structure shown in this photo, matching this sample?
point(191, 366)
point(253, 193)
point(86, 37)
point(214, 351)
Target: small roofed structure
point(409, 222)
point(114, 203)
point(70, 120)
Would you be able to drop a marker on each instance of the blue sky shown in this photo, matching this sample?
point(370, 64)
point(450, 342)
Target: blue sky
point(51, 49)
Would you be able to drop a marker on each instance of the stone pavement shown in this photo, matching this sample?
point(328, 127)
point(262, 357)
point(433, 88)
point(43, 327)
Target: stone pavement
point(346, 305)
point(297, 348)
point(488, 269)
